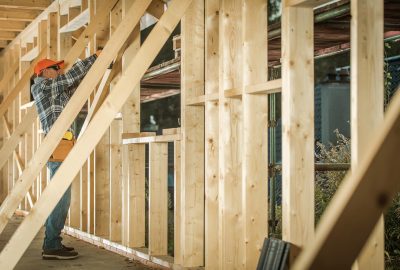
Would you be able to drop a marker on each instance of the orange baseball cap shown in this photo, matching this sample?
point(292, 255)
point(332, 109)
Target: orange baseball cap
point(45, 63)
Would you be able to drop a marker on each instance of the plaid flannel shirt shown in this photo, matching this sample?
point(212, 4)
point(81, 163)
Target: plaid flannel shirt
point(52, 95)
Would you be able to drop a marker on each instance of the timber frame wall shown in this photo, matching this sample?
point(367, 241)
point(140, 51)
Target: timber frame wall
point(220, 151)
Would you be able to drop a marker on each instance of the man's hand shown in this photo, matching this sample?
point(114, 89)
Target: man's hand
point(98, 52)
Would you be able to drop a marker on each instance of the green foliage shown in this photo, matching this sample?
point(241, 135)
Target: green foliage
point(326, 183)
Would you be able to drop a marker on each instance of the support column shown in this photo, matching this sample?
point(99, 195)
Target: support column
point(158, 198)
point(130, 124)
point(231, 226)
point(192, 187)
point(297, 126)
point(255, 128)
point(367, 96)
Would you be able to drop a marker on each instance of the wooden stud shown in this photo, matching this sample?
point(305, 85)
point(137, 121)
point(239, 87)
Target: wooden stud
point(102, 152)
point(63, 178)
point(130, 123)
point(158, 198)
point(52, 35)
point(211, 255)
point(115, 182)
point(72, 109)
point(367, 104)
point(255, 130)
point(192, 169)
point(137, 194)
point(115, 143)
point(231, 222)
point(297, 126)
point(177, 203)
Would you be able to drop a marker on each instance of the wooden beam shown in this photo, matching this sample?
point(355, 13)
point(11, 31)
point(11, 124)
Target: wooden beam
point(12, 26)
point(367, 99)
point(25, 4)
point(231, 221)
point(192, 159)
point(297, 126)
point(64, 176)
point(7, 35)
point(177, 203)
point(156, 8)
point(211, 129)
point(360, 201)
point(130, 123)
point(269, 87)
point(115, 152)
point(73, 107)
point(18, 15)
point(52, 35)
point(150, 139)
point(158, 198)
point(255, 129)
point(3, 43)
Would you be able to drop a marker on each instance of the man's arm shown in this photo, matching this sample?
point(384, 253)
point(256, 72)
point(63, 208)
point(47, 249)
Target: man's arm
point(71, 78)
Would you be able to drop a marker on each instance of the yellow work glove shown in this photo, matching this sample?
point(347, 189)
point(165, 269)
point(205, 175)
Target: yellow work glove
point(68, 136)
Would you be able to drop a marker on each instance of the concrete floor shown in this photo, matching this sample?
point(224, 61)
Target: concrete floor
point(91, 257)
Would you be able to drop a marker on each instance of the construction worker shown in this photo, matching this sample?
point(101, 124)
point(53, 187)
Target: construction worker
point(52, 90)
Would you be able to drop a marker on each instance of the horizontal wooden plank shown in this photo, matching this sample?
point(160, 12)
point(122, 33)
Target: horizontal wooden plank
point(233, 93)
point(13, 26)
point(29, 56)
point(270, 87)
point(171, 131)
point(151, 139)
point(137, 135)
point(18, 15)
point(5, 35)
point(200, 100)
point(25, 4)
point(3, 43)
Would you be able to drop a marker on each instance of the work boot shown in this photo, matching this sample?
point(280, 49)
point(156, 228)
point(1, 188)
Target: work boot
point(59, 254)
point(68, 248)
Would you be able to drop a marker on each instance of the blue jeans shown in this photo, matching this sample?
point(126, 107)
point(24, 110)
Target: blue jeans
point(55, 222)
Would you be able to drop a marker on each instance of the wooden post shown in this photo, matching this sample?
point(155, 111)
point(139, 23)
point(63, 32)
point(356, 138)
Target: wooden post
point(52, 35)
point(137, 200)
point(17, 245)
point(131, 123)
point(297, 126)
point(102, 151)
point(177, 203)
point(192, 85)
point(158, 198)
point(231, 222)
point(211, 256)
point(367, 104)
point(115, 150)
point(255, 126)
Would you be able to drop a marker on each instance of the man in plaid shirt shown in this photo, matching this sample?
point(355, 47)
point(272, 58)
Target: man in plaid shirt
point(52, 90)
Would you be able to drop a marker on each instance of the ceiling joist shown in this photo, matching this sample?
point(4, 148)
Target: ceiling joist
point(25, 4)
point(18, 15)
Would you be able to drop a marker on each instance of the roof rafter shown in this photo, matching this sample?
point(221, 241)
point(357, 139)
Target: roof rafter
point(25, 4)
